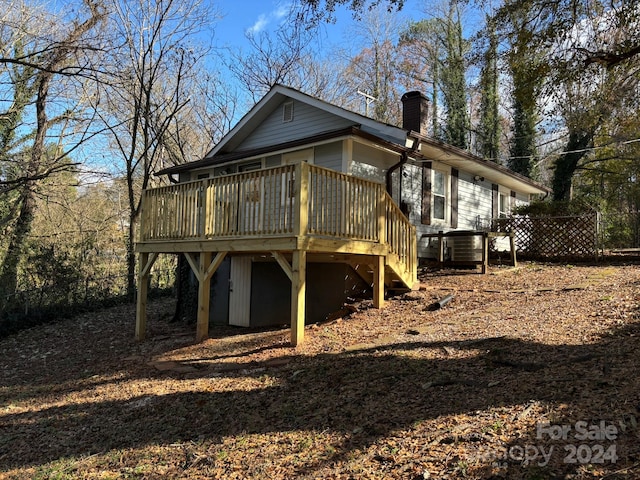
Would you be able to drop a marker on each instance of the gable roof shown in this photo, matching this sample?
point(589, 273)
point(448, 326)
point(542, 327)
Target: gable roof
point(389, 136)
point(280, 93)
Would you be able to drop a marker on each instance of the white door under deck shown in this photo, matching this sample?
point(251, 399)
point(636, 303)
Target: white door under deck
point(240, 292)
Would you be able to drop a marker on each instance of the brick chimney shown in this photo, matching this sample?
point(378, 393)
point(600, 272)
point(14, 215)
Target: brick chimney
point(415, 108)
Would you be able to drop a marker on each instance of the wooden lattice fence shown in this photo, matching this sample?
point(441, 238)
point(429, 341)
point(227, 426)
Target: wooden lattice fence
point(571, 237)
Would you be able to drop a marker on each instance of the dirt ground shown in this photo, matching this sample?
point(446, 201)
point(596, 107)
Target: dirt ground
point(528, 373)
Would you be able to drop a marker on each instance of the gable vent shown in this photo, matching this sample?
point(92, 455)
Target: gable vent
point(287, 112)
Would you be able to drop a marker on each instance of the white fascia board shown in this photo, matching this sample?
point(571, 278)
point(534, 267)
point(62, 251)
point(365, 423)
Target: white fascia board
point(482, 168)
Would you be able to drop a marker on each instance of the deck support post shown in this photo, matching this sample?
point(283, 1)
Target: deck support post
point(299, 257)
point(485, 253)
point(512, 246)
point(378, 282)
point(206, 269)
point(298, 295)
point(145, 262)
point(204, 297)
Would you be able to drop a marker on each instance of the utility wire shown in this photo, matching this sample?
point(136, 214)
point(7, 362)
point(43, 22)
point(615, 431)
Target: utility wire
point(565, 152)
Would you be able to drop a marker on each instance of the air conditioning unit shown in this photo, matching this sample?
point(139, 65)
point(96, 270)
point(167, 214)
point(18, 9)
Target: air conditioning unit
point(466, 248)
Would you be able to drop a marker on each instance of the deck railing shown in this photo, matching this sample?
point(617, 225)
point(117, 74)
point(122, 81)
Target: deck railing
point(264, 203)
point(401, 236)
point(343, 206)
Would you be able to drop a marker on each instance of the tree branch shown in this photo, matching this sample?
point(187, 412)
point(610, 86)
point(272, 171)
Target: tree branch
point(608, 59)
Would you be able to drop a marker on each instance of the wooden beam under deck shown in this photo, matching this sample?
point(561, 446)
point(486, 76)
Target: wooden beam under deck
point(311, 244)
point(229, 244)
point(284, 264)
point(298, 296)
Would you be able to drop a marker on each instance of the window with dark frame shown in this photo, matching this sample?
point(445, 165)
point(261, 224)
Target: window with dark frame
point(504, 205)
point(253, 187)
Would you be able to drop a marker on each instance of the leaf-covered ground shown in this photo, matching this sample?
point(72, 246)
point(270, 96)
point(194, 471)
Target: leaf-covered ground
point(529, 373)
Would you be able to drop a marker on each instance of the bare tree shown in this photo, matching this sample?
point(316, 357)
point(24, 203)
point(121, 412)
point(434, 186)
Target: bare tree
point(44, 56)
point(154, 67)
point(217, 104)
point(374, 69)
point(281, 56)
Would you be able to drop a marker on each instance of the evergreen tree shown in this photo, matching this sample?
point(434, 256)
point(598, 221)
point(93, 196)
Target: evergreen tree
point(522, 63)
point(439, 43)
point(489, 129)
point(453, 75)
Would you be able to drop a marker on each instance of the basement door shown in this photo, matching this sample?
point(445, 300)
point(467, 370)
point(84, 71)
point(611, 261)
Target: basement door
point(240, 292)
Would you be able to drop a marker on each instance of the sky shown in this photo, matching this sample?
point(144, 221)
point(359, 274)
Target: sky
point(240, 16)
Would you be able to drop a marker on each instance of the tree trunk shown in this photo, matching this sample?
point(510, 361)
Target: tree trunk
point(22, 229)
point(566, 164)
point(131, 260)
point(187, 293)
point(9, 272)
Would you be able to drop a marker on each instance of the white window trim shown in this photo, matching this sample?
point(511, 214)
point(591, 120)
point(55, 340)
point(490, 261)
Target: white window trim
point(506, 194)
point(447, 195)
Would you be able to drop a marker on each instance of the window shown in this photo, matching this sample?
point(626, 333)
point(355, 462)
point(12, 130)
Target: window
point(250, 167)
point(504, 205)
point(226, 170)
point(251, 185)
point(439, 194)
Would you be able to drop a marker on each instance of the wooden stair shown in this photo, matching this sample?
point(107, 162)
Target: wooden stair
point(395, 278)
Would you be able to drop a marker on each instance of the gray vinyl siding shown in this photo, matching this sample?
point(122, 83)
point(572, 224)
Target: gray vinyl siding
point(412, 196)
point(329, 156)
point(474, 206)
point(307, 121)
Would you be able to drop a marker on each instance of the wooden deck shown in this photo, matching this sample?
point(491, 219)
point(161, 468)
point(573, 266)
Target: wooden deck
point(288, 212)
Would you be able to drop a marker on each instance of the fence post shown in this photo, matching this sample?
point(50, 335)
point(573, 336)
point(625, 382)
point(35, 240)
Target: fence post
point(596, 235)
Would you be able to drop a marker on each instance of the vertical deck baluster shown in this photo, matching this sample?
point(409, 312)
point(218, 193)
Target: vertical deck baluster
point(268, 191)
point(277, 200)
